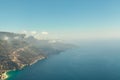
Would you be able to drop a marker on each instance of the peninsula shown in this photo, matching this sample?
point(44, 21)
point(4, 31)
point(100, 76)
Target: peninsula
point(18, 51)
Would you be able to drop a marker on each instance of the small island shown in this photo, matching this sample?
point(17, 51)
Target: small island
point(18, 51)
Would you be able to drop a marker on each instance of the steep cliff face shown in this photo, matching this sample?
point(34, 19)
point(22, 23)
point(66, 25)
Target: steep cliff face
point(16, 51)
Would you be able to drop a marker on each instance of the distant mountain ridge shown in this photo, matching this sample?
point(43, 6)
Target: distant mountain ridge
point(17, 51)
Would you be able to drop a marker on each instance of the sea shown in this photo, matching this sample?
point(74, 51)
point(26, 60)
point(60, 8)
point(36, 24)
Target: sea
point(97, 60)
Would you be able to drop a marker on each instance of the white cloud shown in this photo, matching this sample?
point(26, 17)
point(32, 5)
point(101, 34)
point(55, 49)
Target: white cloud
point(17, 37)
point(24, 32)
point(33, 32)
point(45, 33)
point(6, 38)
point(52, 41)
point(37, 36)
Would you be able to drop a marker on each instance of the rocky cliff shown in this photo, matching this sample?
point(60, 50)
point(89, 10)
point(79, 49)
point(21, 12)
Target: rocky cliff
point(17, 51)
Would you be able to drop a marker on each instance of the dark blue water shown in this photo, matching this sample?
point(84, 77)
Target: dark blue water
point(90, 61)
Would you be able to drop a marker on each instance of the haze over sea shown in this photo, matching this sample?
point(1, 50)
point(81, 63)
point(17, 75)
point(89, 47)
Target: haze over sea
point(95, 23)
point(98, 60)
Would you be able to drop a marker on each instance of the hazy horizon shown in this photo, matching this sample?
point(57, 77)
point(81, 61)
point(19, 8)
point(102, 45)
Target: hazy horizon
point(62, 19)
point(59, 39)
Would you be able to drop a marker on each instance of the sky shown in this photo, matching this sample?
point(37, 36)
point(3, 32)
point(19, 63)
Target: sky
point(66, 19)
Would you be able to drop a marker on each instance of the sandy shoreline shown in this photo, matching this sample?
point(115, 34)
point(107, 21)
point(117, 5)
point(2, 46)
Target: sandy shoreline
point(4, 76)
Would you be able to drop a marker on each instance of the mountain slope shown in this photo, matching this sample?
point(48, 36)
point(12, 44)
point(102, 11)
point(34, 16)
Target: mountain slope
point(17, 51)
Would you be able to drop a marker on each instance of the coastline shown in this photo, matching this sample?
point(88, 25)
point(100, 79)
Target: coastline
point(5, 76)
point(38, 59)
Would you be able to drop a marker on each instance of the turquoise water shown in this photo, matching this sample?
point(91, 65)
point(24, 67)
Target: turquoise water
point(90, 61)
